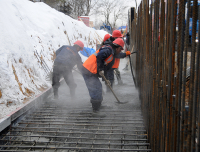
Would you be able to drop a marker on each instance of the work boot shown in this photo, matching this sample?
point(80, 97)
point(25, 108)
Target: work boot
point(120, 82)
point(96, 104)
point(118, 77)
point(126, 67)
point(55, 91)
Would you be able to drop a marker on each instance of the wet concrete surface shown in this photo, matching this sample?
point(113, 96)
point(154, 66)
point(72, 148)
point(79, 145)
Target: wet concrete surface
point(125, 93)
point(71, 125)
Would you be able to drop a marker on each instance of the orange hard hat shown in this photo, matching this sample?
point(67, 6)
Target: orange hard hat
point(79, 43)
point(107, 36)
point(117, 33)
point(119, 42)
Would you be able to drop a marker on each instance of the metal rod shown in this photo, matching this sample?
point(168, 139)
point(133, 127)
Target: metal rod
point(94, 122)
point(84, 129)
point(79, 143)
point(89, 133)
point(132, 71)
point(79, 116)
point(183, 111)
point(197, 94)
point(86, 138)
point(76, 123)
point(192, 103)
point(71, 118)
point(76, 148)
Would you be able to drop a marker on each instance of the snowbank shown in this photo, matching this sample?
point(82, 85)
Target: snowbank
point(30, 34)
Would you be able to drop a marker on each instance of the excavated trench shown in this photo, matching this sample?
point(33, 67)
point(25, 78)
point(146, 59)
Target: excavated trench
point(70, 125)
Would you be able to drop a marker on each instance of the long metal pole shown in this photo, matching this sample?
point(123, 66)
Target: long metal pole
point(132, 71)
point(131, 64)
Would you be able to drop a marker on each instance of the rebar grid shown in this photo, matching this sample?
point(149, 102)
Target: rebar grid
point(58, 128)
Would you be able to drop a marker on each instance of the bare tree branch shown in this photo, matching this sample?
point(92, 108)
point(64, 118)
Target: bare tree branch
point(111, 10)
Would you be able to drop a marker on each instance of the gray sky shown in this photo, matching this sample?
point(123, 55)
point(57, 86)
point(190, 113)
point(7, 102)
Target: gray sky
point(130, 3)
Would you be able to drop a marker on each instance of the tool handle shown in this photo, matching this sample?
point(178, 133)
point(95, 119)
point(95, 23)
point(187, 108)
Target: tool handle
point(108, 84)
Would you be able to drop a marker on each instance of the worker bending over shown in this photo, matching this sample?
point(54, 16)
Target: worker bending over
point(66, 58)
point(94, 67)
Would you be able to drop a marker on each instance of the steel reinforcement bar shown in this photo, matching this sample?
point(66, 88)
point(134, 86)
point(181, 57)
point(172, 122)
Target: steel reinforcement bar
point(165, 35)
point(55, 127)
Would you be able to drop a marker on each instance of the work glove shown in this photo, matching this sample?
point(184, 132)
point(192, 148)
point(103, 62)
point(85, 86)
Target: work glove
point(101, 73)
point(108, 83)
point(128, 53)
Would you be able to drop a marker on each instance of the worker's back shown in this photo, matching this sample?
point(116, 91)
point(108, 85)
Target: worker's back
point(67, 56)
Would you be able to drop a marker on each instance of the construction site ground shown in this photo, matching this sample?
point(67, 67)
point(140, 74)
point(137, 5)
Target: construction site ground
point(125, 92)
point(71, 125)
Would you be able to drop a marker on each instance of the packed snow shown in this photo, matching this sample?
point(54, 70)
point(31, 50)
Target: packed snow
point(30, 34)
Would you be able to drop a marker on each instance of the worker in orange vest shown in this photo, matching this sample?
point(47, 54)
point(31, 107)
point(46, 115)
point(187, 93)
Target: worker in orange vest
point(110, 73)
point(116, 66)
point(66, 58)
point(95, 66)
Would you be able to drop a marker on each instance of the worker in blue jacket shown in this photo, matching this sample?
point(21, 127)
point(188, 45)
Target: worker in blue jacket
point(66, 58)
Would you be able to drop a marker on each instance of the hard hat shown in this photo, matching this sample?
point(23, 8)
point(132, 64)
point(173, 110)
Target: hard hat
point(107, 36)
point(119, 42)
point(117, 33)
point(79, 43)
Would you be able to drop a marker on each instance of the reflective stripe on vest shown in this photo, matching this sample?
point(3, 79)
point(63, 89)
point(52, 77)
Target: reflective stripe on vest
point(108, 60)
point(116, 64)
point(91, 63)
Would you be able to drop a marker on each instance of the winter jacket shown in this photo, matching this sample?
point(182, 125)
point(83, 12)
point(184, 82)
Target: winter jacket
point(117, 57)
point(68, 56)
point(117, 60)
point(100, 59)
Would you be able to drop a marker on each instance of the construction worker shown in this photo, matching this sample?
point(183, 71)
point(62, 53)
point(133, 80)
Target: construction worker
point(115, 69)
point(115, 34)
point(106, 37)
point(66, 58)
point(95, 66)
point(110, 73)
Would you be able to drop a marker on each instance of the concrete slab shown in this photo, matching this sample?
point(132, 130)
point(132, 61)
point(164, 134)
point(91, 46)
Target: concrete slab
point(125, 92)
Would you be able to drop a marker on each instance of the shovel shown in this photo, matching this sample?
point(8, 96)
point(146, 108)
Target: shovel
point(108, 84)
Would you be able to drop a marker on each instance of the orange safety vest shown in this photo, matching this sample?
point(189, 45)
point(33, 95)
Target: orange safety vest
point(91, 62)
point(116, 64)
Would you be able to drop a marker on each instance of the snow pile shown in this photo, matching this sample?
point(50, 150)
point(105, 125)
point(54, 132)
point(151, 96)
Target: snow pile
point(30, 34)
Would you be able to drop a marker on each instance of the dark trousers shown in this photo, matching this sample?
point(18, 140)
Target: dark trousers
point(59, 71)
point(110, 77)
point(93, 84)
point(110, 74)
point(118, 75)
